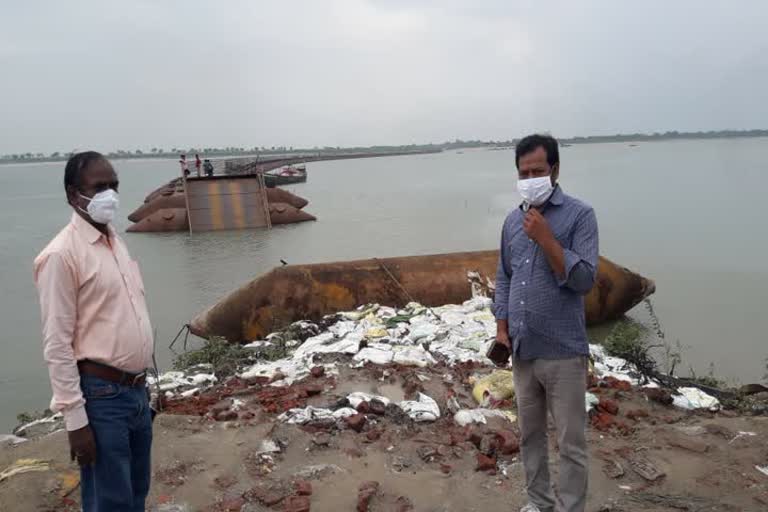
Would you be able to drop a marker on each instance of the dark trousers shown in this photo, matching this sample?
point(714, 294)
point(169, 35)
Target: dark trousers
point(121, 422)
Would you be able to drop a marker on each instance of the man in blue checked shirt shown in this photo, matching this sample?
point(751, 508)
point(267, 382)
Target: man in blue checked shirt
point(548, 262)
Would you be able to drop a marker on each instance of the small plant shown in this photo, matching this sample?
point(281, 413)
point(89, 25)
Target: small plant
point(25, 417)
point(629, 340)
point(28, 417)
point(707, 380)
point(225, 357)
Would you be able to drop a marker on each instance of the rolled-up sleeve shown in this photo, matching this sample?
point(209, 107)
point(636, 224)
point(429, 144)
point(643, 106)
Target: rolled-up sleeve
point(503, 278)
point(581, 257)
point(57, 286)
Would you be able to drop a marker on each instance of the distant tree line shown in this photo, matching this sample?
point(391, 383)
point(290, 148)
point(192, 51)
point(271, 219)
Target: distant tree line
point(208, 152)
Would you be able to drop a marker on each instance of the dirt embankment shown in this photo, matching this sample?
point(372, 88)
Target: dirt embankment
point(644, 455)
point(377, 410)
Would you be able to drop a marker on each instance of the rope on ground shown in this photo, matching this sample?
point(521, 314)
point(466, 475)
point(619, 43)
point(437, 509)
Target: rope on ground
point(178, 335)
point(399, 285)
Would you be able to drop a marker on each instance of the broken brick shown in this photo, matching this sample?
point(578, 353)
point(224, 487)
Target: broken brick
point(603, 421)
point(303, 488)
point(608, 405)
point(356, 422)
point(317, 372)
point(618, 384)
point(509, 442)
point(296, 504)
point(363, 408)
point(485, 463)
point(365, 495)
point(313, 389)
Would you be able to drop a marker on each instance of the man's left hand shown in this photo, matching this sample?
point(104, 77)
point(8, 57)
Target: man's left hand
point(536, 227)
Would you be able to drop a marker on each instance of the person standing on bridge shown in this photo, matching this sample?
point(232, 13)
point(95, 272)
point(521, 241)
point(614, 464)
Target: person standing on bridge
point(198, 165)
point(547, 263)
point(98, 341)
point(184, 165)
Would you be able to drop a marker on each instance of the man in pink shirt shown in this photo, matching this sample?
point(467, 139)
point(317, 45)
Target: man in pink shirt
point(98, 341)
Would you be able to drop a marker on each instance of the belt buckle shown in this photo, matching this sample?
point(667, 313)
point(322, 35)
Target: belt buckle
point(137, 377)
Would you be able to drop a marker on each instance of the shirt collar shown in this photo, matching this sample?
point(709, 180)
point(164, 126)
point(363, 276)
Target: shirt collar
point(87, 231)
point(557, 196)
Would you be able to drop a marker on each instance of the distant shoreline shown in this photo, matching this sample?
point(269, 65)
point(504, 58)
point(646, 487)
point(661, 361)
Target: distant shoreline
point(385, 150)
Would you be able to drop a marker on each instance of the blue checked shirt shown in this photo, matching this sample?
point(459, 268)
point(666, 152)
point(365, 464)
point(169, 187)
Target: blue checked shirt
point(545, 313)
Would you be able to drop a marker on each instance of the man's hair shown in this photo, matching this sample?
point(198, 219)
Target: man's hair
point(531, 143)
point(76, 165)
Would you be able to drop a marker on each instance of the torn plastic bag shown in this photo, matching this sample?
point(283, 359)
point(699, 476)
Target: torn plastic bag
point(423, 409)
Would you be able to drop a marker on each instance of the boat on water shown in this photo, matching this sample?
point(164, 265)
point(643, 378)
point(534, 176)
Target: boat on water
point(287, 175)
point(309, 292)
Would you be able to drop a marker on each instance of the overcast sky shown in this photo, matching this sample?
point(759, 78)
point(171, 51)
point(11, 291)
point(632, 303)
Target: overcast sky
point(143, 73)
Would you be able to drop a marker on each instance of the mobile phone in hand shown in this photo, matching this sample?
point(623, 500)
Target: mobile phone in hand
point(498, 353)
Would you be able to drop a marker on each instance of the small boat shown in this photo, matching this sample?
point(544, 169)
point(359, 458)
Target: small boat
point(309, 292)
point(286, 176)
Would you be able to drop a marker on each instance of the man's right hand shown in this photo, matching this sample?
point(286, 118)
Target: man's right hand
point(502, 333)
point(82, 446)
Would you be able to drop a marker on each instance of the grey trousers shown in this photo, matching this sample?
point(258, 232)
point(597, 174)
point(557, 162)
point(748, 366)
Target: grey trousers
point(557, 386)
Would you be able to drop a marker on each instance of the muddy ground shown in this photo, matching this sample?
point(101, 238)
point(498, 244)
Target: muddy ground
point(644, 455)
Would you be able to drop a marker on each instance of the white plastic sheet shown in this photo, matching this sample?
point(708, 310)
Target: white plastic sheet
point(314, 414)
point(422, 409)
point(413, 356)
point(466, 417)
point(375, 354)
point(694, 398)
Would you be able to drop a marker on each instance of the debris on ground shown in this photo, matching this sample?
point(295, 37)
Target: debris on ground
point(24, 466)
point(371, 408)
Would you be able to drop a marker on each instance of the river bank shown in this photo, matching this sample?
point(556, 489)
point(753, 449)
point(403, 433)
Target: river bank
point(378, 409)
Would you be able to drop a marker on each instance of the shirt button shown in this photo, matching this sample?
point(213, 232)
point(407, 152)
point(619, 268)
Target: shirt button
point(522, 302)
point(523, 283)
point(527, 261)
point(529, 240)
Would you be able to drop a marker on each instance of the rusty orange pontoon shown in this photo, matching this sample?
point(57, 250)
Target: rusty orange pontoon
point(298, 292)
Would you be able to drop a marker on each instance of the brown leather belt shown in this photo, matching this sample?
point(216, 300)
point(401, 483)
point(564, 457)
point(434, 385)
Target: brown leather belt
point(111, 374)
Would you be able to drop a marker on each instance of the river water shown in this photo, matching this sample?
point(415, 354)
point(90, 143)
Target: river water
point(687, 214)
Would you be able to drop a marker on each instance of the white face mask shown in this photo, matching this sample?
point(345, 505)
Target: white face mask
point(535, 191)
point(102, 206)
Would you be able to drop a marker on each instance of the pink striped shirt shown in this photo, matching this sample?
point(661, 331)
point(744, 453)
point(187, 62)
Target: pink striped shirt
point(93, 307)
